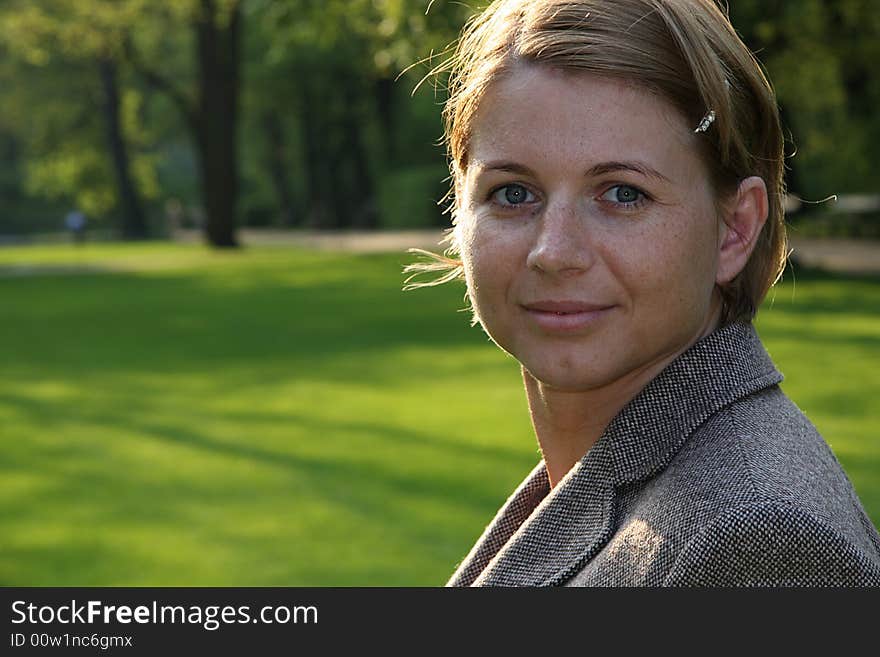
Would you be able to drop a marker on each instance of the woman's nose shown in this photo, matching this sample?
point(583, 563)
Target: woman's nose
point(562, 244)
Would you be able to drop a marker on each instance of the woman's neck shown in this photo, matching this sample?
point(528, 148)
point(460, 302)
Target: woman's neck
point(568, 423)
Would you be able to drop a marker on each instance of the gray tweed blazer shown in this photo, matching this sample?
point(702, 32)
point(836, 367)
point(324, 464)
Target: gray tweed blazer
point(711, 476)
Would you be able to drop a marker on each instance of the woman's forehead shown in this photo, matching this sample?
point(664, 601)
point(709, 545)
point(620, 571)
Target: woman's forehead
point(538, 113)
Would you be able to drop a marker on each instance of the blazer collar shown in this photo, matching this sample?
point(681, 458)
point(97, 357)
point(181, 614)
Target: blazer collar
point(534, 543)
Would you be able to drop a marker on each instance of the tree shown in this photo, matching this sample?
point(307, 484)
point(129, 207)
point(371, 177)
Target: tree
point(68, 61)
point(821, 54)
point(211, 113)
point(134, 225)
point(319, 51)
point(332, 68)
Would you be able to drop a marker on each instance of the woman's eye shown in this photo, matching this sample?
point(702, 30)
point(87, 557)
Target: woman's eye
point(623, 195)
point(512, 195)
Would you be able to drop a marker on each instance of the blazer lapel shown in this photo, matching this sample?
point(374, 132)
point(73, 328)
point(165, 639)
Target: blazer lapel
point(510, 516)
point(542, 543)
point(566, 528)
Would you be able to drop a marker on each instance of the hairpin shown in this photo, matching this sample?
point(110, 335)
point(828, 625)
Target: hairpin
point(706, 122)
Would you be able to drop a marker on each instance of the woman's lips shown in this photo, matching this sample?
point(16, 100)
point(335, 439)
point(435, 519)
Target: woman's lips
point(565, 316)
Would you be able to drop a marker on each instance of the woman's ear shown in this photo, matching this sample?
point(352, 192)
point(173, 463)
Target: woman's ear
point(744, 217)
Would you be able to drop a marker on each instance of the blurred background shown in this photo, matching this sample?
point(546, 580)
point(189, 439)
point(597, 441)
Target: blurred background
point(211, 375)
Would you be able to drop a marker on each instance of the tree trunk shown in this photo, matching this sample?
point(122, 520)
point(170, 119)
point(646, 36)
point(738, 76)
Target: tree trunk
point(362, 195)
point(134, 225)
point(314, 135)
point(384, 93)
point(277, 165)
point(361, 192)
point(216, 119)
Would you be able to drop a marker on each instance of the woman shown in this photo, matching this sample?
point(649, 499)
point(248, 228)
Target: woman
point(618, 190)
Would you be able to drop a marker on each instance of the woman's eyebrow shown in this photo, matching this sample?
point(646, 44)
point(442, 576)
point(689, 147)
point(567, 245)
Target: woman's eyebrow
point(505, 166)
point(637, 167)
point(602, 168)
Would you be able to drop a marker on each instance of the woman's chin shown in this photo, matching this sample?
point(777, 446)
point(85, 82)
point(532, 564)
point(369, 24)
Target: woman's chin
point(564, 379)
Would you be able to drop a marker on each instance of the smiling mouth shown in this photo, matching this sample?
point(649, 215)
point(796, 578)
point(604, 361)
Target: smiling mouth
point(565, 317)
point(564, 307)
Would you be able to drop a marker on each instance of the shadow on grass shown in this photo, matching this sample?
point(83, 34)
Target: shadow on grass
point(253, 332)
point(100, 487)
point(835, 292)
point(125, 321)
point(93, 371)
point(101, 323)
point(323, 472)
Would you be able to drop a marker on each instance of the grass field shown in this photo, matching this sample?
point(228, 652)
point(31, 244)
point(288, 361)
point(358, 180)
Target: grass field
point(174, 416)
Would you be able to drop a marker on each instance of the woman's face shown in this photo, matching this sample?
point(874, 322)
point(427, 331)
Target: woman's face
point(587, 228)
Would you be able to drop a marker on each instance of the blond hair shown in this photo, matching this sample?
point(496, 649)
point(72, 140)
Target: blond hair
point(686, 51)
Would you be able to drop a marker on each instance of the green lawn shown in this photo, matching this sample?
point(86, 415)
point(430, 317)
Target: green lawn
point(175, 416)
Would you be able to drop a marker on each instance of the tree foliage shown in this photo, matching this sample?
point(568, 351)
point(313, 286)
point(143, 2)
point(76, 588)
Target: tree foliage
point(61, 61)
point(821, 55)
point(296, 112)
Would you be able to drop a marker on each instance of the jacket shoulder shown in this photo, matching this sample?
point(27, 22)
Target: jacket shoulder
point(785, 460)
point(772, 544)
